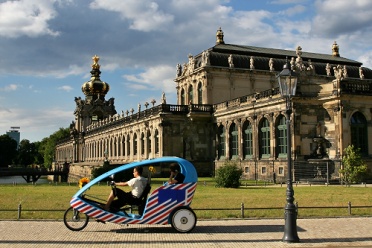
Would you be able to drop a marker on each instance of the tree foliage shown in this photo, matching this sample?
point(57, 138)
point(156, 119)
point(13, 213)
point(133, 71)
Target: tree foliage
point(47, 146)
point(27, 153)
point(228, 176)
point(8, 150)
point(354, 168)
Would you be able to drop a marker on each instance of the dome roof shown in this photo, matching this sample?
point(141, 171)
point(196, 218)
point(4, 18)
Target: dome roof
point(95, 87)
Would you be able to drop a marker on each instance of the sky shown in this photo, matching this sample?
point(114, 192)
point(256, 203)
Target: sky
point(46, 47)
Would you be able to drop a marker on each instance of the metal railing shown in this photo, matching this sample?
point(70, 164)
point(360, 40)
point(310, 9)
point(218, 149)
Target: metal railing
point(243, 209)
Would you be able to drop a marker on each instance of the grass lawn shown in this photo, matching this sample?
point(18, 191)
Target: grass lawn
point(259, 201)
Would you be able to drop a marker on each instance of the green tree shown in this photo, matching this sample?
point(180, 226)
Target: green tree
point(38, 156)
point(48, 145)
point(354, 168)
point(228, 176)
point(8, 150)
point(26, 153)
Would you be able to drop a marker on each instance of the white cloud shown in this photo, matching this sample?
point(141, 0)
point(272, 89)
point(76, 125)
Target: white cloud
point(66, 88)
point(288, 1)
point(26, 18)
point(366, 59)
point(340, 17)
point(298, 9)
point(252, 20)
point(10, 87)
point(154, 78)
point(36, 123)
point(143, 15)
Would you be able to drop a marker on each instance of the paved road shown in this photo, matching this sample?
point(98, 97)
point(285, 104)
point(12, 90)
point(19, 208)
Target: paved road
point(329, 232)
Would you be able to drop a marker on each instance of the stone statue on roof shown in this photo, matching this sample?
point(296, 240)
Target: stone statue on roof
point(179, 70)
point(328, 70)
point(271, 64)
point(251, 63)
point(163, 99)
point(361, 74)
point(231, 61)
point(205, 58)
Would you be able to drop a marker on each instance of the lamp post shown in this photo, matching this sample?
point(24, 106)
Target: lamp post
point(287, 80)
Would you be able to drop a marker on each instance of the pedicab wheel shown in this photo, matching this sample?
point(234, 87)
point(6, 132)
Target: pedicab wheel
point(183, 219)
point(75, 220)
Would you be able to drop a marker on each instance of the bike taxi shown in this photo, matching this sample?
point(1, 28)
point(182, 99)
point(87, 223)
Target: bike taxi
point(167, 204)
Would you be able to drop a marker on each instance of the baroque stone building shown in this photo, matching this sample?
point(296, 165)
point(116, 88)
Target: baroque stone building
point(229, 109)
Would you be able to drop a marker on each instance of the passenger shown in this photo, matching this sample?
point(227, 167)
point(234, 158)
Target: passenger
point(175, 176)
point(138, 184)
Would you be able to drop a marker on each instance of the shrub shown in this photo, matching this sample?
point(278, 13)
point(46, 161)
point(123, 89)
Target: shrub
point(354, 168)
point(228, 176)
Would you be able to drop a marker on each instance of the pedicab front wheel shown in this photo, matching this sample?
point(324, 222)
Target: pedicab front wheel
point(74, 220)
point(183, 219)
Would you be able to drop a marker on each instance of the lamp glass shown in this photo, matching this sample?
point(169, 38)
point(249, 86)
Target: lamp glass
point(287, 83)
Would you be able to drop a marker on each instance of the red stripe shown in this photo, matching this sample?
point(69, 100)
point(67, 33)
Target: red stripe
point(85, 209)
point(107, 217)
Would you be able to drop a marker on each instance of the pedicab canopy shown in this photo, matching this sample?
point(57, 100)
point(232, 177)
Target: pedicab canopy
point(186, 168)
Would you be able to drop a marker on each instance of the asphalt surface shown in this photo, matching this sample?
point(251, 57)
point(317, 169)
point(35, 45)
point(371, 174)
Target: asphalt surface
point(328, 232)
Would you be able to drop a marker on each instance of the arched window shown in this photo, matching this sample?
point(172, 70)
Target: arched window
point(182, 97)
point(191, 94)
point(115, 147)
point(221, 142)
point(111, 147)
point(233, 141)
point(247, 135)
point(281, 137)
point(128, 145)
point(142, 143)
point(135, 144)
point(264, 139)
point(359, 133)
point(156, 136)
point(123, 145)
point(200, 93)
point(148, 141)
point(120, 144)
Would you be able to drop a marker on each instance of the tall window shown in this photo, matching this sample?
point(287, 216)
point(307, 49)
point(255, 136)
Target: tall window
point(123, 146)
point(182, 97)
point(128, 145)
point(200, 93)
point(135, 142)
point(156, 136)
point(115, 147)
point(149, 142)
point(264, 138)
point(359, 134)
point(221, 142)
point(281, 137)
point(143, 143)
point(247, 140)
point(191, 94)
point(233, 141)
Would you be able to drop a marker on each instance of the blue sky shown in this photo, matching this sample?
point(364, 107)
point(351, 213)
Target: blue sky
point(46, 47)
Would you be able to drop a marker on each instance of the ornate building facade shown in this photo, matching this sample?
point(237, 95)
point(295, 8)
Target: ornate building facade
point(229, 110)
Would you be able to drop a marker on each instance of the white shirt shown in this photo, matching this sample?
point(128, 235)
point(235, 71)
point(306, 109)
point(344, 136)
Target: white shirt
point(138, 184)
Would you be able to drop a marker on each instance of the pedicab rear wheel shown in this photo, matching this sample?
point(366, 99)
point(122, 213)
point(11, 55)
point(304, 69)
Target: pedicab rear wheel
point(183, 219)
point(75, 220)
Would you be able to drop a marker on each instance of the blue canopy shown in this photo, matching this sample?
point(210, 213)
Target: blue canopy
point(186, 168)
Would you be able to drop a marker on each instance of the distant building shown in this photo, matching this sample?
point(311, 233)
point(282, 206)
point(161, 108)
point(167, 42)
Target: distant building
point(229, 109)
point(15, 134)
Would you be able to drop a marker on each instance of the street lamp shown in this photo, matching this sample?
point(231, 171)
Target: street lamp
point(287, 84)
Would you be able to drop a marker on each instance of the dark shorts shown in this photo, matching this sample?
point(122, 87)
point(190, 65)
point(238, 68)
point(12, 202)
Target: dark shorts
point(123, 198)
